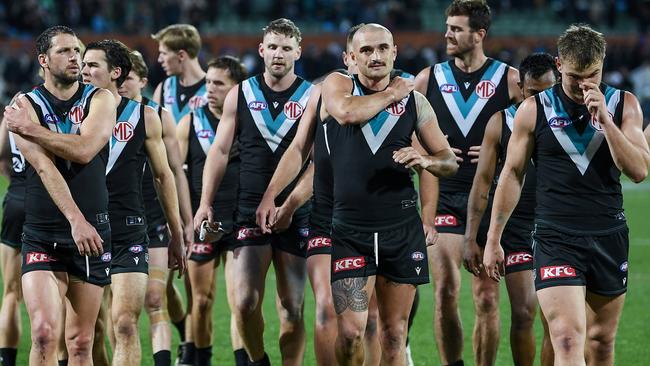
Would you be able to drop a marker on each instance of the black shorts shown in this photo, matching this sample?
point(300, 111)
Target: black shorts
point(401, 254)
point(40, 254)
point(131, 256)
point(320, 236)
point(517, 243)
point(204, 252)
point(158, 233)
point(451, 216)
point(293, 240)
point(13, 217)
point(598, 262)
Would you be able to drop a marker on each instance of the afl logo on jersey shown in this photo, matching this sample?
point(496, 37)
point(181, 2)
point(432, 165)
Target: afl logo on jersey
point(485, 89)
point(559, 122)
point(169, 100)
point(397, 108)
point(257, 106)
point(52, 118)
point(123, 131)
point(76, 114)
point(448, 88)
point(204, 134)
point(293, 110)
point(197, 101)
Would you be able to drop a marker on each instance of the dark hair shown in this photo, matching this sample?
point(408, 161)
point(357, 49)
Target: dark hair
point(44, 40)
point(117, 55)
point(284, 27)
point(537, 64)
point(581, 45)
point(477, 11)
point(138, 66)
point(236, 69)
point(351, 32)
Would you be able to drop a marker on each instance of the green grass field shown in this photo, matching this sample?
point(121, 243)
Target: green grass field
point(632, 347)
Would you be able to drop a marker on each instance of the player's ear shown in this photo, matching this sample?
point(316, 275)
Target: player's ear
point(42, 60)
point(260, 50)
point(558, 63)
point(298, 53)
point(394, 52)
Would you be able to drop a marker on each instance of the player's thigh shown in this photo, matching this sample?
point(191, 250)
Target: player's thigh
point(319, 271)
point(83, 302)
point(445, 258)
point(128, 293)
point(351, 299)
point(564, 309)
point(202, 276)
point(290, 273)
point(521, 289)
point(10, 262)
point(603, 315)
point(394, 301)
point(250, 265)
point(43, 295)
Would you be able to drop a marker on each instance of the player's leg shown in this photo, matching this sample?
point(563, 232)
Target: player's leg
point(318, 268)
point(523, 305)
point(414, 310)
point(485, 293)
point(155, 304)
point(547, 356)
point(128, 300)
point(102, 327)
point(444, 261)
point(202, 264)
point(82, 306)
point(603, 315)
point(290, 274)
point(241, 358)
point(371, 342)
point(394, 301)
point(62, 352)
point(10, 324)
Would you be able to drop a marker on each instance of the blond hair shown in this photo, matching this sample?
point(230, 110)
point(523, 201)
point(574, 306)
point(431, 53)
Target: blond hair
point(179, 37)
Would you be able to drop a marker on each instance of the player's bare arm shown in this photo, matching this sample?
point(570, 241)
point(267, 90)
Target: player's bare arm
point(94, 133)
point(165, 186)
point(5, 150)
point(157, 95)
point(520, 149)
point(479, 194)
point(441, 161)
point(300, 194)
point(428, 189)
point(627, 144)
point(346, 108)
point(422, 81)
point(514, 90)
point(217, 159)
point(291, 162)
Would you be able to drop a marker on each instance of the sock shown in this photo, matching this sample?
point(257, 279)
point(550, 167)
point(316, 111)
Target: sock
point(162, 358)
point(8, 356)
point(203, 356)
point(263, 362)
point(241, 357)
point(63, 362)
point(180, 327)
point(457, 363)
point(190, 354)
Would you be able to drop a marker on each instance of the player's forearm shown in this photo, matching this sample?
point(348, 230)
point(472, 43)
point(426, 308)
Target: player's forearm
point(505, 200)
point(166, 188)
point(287, 170)
point(629, 158)
point(70, 147)
point(213, 172)
point(58, 190)
point(356, 110)
point(443, 164)
point(183, 191)
point(429, 187)
point(303, 190)
point(477, 204)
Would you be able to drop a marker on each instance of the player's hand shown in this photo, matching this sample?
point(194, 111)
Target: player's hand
point(284, 216)
point(176, 254)
point(266, 214)
point(473, 153)
point(458, 152)
point(188, 238)
point(431, 235)
point(204, 212)
point(17, 117)
point(595, 102)
point(411, 158)
point(472, 260)
point(86, 238)
point(400, 87)
point(493, 260)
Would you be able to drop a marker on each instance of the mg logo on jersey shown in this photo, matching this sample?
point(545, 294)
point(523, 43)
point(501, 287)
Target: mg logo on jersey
point(448, 88)
point(350, 263)
point(123, 131)
point(485, 89)
point(417, 256)
point(76, 114)
point(552, 272)
point(257, 106)
point(293, 110)
point(397, 108)
point(518, 258)
point(248, 233)
point(201, 248)
point(319, 242)
point(197, 101)
point(204, 134)
point(36, 257)
point(445, 220)
point(559, 122)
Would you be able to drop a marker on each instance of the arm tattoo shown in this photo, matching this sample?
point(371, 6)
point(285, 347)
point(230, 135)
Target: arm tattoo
point(350, 293)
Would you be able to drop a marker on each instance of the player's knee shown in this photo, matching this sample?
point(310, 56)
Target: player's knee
point(203, 303)
point(523, 318)
point(393, 338)
point(80, 345)
point(126, 325)
point(350, 337)
point(246, 304)
point(325, 313)
point(371, 326)
point(447, 295)
point(601, 342)
point(154, 300)
point(292, 310)
point(44, 334)
point(486, 302)
point(566, 339)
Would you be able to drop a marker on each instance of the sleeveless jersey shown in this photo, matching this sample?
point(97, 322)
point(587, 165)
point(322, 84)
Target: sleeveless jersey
point(87, 183)
point(202, 129)
point(124, 172)
point(525, 209)
point(464, 102)
point(371, 191)
point(323, 176)
point(181, 100)
point(268, 121)
point(152, 207)
point(16, 189)
point(578, 184)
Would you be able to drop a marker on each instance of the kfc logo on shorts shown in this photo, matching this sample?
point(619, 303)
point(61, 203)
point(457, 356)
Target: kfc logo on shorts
point(248, 233)
point(123, 131)
point(135, 249)
point(319, 242)
point(518, 258)
point(397, 108)
point(257, 106)
point(76, 114)
point(293, 110)
point(201, 248)
point(448, 88)
point(623, 267)
point(485, 89)
point(36, 257)
point(552, 272)
point(350, 263)
point(417, 256)
point(446, 220)
point(197, 102)
point(106, 257)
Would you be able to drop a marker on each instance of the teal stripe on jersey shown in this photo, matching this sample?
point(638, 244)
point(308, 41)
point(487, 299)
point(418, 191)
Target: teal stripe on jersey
point(125, 116)
point(274, 125)
point(579, 141)
point(205, 125)
point(378, 121)
point(465, 106)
